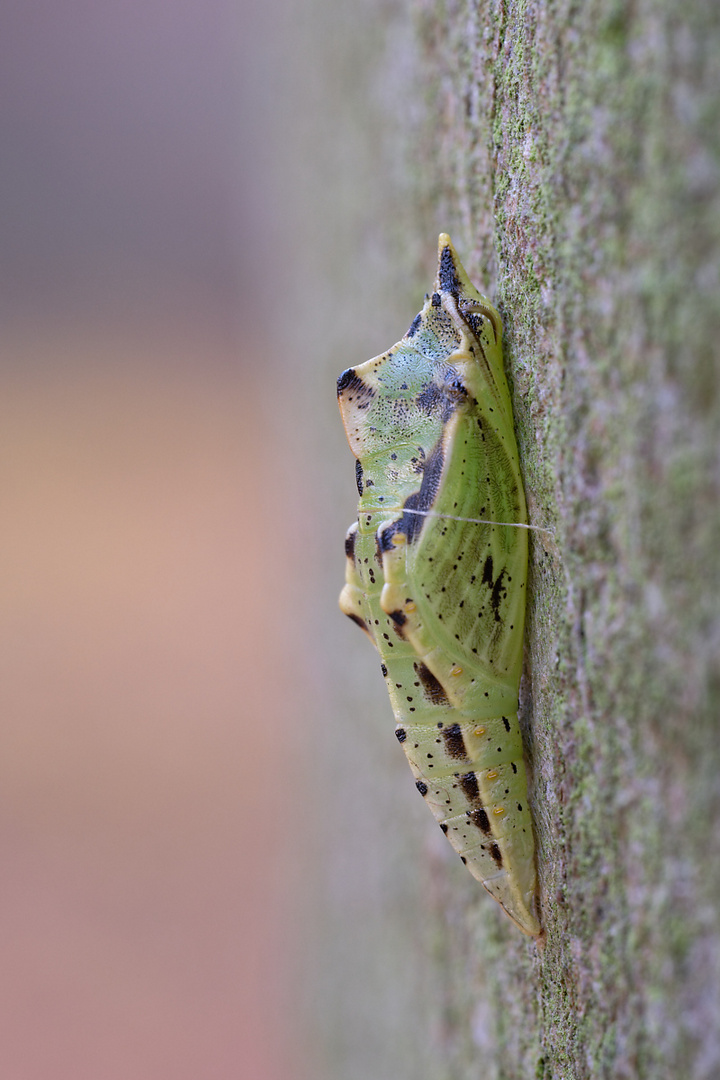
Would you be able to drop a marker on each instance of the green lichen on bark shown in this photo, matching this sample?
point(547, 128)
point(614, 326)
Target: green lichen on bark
point(597, 221)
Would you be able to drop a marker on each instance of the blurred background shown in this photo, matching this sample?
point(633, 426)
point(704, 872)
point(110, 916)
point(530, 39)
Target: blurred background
point(190, 255)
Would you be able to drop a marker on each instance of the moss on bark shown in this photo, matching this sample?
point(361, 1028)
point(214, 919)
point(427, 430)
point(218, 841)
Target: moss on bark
point(598, 220)
point(572, 150)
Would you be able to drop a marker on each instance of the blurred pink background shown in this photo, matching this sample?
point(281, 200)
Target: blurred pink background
point(150, 676)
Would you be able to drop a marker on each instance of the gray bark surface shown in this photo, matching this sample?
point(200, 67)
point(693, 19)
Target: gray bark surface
point(572, 150)
point(585, 156)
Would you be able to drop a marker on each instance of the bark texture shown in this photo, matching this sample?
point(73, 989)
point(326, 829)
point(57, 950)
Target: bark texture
point(581, 151)
point(572, 150)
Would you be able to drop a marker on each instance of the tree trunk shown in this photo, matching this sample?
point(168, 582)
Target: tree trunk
point(573, 153)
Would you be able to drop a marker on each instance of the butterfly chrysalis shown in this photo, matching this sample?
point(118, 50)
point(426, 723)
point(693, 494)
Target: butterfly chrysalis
point(437, 572)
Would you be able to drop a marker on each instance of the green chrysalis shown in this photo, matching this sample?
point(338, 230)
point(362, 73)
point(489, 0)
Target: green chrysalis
point(437, 571)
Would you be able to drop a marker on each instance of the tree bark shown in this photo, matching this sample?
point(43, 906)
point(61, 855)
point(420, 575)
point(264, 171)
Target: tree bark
point(572, 150)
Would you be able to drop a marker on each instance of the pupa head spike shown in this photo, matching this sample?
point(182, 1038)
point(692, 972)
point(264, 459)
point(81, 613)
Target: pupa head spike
point(453, 281)
point(451, 275)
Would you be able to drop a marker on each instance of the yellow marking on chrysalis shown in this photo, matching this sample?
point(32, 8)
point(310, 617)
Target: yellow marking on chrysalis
point(491, 774)
point(499, 811)
point(411, 606)
point(399, 539)
point(479, 732)
point(456, 670)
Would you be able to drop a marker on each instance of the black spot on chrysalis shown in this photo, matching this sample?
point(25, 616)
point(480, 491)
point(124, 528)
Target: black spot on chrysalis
point(454, 742)
point(432, 688)
point(496, 854)
point(447, 274)
point(414, 326)
point(359, 477)
point(469, 785)
point(353, 389)
point(479, 819)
